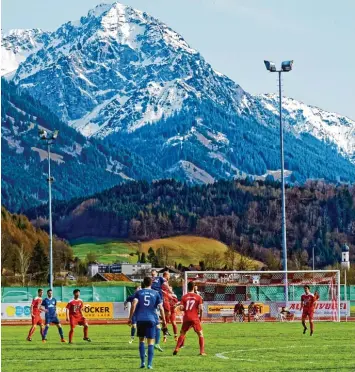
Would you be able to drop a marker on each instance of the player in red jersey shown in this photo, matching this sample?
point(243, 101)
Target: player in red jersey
point(308, 301)
point(191, 304)
point(169, 303)
point(36, 315)
point(75, 316)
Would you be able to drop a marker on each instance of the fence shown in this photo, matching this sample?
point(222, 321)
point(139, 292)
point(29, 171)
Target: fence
point(119, 294)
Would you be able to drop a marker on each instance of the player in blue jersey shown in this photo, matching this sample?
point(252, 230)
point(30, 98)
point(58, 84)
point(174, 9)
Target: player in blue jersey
point(51, 317)
point(134, 320)
point(145, 305)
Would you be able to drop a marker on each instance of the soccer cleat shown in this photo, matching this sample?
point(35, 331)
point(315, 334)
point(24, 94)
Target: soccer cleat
point(305, 330)
point(44, 341)
point(203, 354)
point(175, 352)
point(87, 339)
point(149, 367)
point(311, 334)
point(176, 338)
point(70, 343)
point(28, 339)
point(63, 340)
point(157, 347)
point(164, 339)
point(142, 365)
point(131, 340)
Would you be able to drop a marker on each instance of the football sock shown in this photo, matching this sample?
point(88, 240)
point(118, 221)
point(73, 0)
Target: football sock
point(30, 333)
point(41, 331)
point(304, 324)
point(311, 326)
point(150, 354)
point(180, 342)
point(71, 333)
point(86, 331)
point(60, 330)
point(201, 341)
point(157, 336)
point(44, 335)
point(175, 329)
point(142, 351)
point(133, 331)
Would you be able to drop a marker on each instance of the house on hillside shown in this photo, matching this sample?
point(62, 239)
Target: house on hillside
point(108, 277)
point(138, 269)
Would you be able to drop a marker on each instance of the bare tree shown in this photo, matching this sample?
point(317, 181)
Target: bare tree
point(23, 259)
point(230, 257)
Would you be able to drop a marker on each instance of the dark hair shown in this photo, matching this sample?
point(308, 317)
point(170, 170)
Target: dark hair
point(190, 286)
point(40, 289)
point(147, 282)
point(306, 286)
point(142, 285)
point(76, 291)
point(49, 290)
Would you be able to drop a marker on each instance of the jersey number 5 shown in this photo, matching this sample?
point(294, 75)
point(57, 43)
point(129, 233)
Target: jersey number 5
point(190, 304)
point(146, 300)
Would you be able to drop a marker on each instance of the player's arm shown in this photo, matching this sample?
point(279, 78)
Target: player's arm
point(133, 309)
point(200, 311)
point(302, 303)
point(67, 312)
point(32, 307)
point(43, 307)
point(162, 314)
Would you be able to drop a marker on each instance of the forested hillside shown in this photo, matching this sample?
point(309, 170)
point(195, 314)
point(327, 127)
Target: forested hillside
point(242, 214)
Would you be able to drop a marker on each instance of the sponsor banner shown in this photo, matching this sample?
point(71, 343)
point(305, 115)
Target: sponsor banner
point(91, 310)
point(13, 311)
point(223, 308)
point(322, 308)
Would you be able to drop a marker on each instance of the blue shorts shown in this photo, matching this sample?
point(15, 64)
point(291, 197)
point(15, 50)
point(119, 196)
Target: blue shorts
point(146, 329)
point(52, 319)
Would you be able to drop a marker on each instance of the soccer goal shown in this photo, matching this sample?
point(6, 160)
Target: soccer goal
point(269, 291)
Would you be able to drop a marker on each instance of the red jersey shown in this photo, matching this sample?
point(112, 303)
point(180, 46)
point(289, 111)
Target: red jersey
point(309, 301)
point(36, 304)
point(75, 307)
point(191, 303)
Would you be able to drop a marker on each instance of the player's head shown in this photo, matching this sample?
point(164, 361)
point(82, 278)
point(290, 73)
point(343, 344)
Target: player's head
point(40, 292)
point(142, 285)
point(147, 282)
point(76, 293)
point(154, 273)
point(49, 293)
point(190, 286)
point(307, 289)
point(166, 275)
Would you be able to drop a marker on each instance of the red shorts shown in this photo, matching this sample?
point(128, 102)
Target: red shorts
point(307, 313)
point(166, 305)
point(195, 324)
point(37, 320)
point(77, 321)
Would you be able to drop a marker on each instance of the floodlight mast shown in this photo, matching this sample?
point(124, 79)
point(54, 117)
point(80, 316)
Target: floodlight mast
point(286, 66)
point(49, 138)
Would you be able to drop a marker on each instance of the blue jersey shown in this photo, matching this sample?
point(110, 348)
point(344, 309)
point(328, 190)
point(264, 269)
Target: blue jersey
point(157, 283)
point(50, 304)
point(148, 302)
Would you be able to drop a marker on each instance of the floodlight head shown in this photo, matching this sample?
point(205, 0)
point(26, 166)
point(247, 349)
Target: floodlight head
point(270, 66)
point(55, 134)
point(42, 134)
point(286, 66)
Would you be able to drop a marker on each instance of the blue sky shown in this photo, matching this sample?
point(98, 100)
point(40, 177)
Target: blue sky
point(235, 36)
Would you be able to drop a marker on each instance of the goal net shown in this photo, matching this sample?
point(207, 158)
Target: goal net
point(263, 294)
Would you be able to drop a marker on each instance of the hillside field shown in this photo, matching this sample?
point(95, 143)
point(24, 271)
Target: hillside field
point(182, 249)
point(229, 347)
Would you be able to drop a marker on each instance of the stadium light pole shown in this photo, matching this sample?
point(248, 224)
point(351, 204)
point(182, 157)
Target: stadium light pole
point(49, 138)
point(286, 66)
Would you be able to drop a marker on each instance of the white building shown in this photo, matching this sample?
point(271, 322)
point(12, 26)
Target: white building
point(345, 260)
point(136, 269)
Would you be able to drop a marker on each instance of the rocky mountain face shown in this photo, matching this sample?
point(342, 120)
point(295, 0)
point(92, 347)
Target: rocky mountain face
point(124, 78)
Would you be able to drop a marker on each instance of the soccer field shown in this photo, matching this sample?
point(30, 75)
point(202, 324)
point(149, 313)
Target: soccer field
point(230, 347)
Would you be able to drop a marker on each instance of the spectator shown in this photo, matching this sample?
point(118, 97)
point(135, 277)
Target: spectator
point(239, 312)
point(286, 314)
point(251, 310)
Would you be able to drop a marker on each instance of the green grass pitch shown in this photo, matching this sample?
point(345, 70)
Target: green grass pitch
point(230, 347)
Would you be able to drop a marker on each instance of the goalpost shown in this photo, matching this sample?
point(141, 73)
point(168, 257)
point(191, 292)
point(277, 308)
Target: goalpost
point(221, 290)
